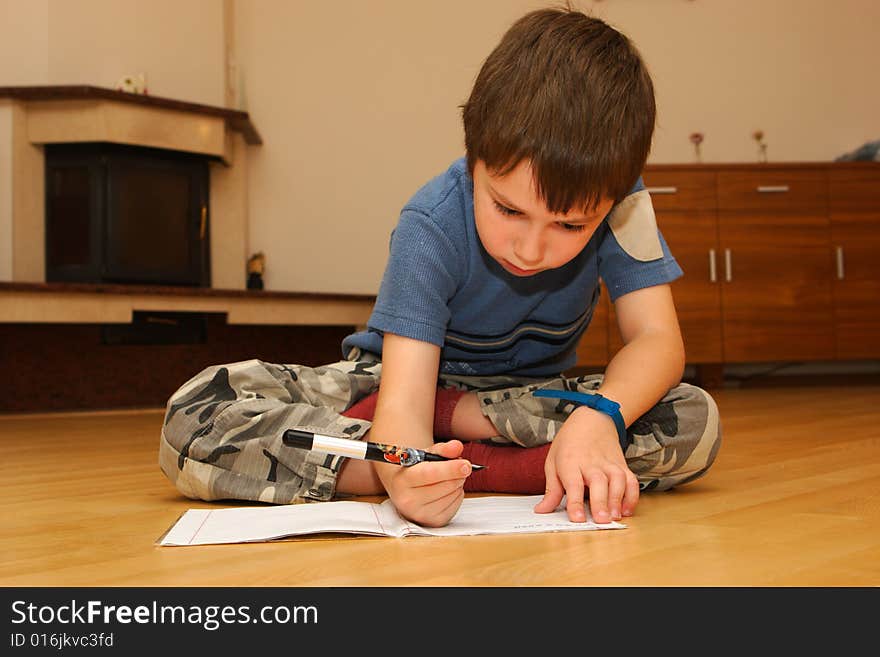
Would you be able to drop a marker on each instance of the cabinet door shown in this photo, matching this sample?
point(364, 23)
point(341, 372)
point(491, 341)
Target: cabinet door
point(777, 268)
point(776, 265)
point(777, 287)
point(684, 202)
point(692, 239)
point(855, 237)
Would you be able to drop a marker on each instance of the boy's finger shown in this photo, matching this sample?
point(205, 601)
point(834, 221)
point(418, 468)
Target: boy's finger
point(451, 449)
point(574, 493)
point(429, 473)
point(631, 496)
point(552, 493)
point(616, 491)
point(441, 490)
point(598, 484)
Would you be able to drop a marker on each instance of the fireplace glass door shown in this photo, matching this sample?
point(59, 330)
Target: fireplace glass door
point(117, 214)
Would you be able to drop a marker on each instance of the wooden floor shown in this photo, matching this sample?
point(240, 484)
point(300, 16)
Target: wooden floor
point(793, 500)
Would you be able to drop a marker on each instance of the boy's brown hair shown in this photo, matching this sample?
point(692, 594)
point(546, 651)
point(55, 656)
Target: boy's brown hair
point(571, 95)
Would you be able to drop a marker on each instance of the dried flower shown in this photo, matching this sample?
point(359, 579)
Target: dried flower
point(697, 139)
point(758, 136)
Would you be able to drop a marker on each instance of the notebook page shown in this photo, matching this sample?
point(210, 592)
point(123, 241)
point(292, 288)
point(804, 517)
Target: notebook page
point(508, 515)
point(248, 524)
point(390, 520)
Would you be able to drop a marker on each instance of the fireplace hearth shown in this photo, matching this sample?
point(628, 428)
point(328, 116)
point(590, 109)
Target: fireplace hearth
point(127, 214)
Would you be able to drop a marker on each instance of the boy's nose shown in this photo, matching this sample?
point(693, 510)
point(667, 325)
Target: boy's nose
point(529, 249)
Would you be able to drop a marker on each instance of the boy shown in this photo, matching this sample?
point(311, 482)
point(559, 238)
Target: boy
point(492, 278)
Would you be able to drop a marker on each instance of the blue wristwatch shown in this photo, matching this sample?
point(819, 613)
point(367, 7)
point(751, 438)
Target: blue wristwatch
point(596, 402)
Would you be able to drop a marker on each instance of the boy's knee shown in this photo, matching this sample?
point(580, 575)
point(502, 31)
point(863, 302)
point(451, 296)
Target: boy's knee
point(706, 437)
point(699, 427)
point(221, 436)
point(677, 441)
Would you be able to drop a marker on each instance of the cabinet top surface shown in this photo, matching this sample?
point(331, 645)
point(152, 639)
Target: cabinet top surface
point(762, 166)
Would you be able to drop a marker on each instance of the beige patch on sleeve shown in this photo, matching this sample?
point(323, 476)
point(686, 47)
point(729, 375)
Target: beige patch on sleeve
point(635, 227)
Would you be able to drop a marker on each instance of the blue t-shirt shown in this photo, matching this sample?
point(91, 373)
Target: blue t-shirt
point(441, 286)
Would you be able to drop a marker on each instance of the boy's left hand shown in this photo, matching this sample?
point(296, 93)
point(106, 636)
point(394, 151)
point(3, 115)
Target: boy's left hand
point(585, 456)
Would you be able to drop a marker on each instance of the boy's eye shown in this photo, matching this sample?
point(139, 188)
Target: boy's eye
point(575, 228)
point(503, 209)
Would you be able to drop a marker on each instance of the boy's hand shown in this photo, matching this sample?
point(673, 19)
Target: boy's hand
point(428, 493)
point(585, 457)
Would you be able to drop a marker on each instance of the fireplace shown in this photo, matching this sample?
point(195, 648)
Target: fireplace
point(166, 133)
point(127, 215)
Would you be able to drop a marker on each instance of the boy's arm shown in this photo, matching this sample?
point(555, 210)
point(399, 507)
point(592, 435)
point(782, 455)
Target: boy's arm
point(586, 452)
point(428, 493)
point(652, 358)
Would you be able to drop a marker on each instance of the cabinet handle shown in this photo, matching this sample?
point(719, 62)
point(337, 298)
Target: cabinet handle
point(841, 274)
point(203, 224)
point(713, 274)
point(772, 189)
point(728, 266)
point(662, 190)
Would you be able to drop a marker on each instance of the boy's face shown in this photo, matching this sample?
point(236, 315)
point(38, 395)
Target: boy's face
point(516, 228)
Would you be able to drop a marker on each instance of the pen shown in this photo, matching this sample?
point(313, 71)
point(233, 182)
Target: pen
point(360, 449)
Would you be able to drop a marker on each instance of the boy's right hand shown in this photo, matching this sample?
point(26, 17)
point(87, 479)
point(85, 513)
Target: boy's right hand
point(428, 493)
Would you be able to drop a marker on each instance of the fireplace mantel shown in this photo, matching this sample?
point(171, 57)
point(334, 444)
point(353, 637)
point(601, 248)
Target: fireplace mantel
point(80, 113)
point(32, 117)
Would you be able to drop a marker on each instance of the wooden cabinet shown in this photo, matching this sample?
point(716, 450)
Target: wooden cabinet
point(781, 262)
point(854, 199)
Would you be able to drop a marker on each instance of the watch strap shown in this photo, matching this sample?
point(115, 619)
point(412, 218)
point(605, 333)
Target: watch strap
point(596, 402)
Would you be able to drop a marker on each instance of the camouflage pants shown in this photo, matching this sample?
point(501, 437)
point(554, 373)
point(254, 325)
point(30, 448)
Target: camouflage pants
point(222, 432)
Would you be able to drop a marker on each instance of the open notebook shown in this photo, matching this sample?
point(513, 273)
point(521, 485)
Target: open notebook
point(477, 515)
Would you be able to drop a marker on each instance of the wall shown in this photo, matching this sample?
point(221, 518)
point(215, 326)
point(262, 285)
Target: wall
point(358, 103)
point(797, 69)
point(24, 59)
point(179, 45)
point(357, 100)
point(24, 42)
point(5, 191)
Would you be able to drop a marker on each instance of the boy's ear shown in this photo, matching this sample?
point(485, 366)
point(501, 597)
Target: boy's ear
point(635, 227)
